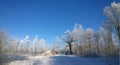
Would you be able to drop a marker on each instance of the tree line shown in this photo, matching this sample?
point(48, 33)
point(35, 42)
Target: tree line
point(104, 42)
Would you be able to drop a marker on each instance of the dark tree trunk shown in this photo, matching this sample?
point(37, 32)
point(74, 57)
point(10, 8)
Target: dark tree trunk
point(98, 49)
point(70, 47)
point(119, 37)
point(118, 33)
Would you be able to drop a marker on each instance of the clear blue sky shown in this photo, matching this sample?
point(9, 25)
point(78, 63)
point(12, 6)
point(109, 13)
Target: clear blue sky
point(49, 18)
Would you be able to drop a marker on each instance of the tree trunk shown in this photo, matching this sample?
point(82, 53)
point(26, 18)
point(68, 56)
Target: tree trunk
point(98, 50)
point(90, 48)
point(119, 37)
point(70, 47)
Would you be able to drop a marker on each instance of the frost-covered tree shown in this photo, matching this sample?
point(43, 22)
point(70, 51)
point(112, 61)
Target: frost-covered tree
point(107, 44)
point(15, 44)
point(42, 45)
point(89, 41)
point(22, 46)
point(96, 42)
point(78, 37)
point(76, 32)
point(11, 47)
point(3, 37)
point(35, 42)
point(26, 42)
point(56, 44)
point(112, 13)
point(68, 38)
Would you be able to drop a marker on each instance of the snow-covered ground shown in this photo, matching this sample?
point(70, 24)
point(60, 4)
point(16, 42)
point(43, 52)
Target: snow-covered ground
point(58, 60)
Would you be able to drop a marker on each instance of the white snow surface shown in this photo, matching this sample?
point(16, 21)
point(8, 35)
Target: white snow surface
point(58, 60)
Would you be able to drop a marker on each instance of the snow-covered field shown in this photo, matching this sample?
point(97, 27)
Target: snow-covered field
point(58, 60)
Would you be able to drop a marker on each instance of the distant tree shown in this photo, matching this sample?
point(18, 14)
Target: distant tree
point(68, 38)
point(22, 46)
point(89, 40)
point(15, 43)
point(97, 44)
point(42, 45)
point(78, 39)
point(56, 44)
point(35, 42)
point(3, 37)
point(26, 42)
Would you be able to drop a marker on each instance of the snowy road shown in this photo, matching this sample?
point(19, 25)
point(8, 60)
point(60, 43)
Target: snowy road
point(58, 60)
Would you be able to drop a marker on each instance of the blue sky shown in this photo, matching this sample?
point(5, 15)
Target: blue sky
point(49, 18)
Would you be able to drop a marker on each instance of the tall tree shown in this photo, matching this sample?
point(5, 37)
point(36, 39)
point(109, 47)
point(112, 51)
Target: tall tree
point(107, 41)
point(110, 42)
point(112, 13)
point(96, 41)
point(78, 38)
point(89, 40)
